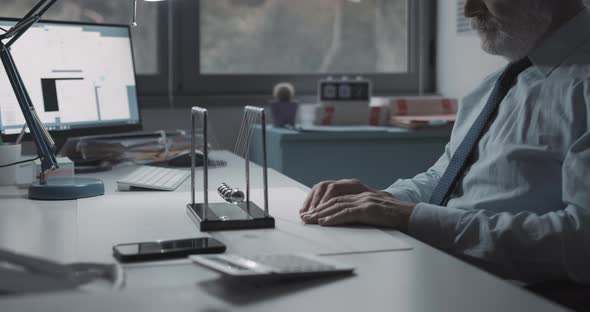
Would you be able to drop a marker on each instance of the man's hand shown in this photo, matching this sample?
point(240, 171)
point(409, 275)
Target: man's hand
point(324, 191)
point(350, 202)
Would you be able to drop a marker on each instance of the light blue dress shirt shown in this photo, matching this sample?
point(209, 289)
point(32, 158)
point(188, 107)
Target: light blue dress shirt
point(522, 209)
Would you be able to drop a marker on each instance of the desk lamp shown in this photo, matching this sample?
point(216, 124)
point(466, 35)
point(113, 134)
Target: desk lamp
point(46, 188)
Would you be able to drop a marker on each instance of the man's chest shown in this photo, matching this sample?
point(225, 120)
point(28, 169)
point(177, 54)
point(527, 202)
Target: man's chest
point(522, 151)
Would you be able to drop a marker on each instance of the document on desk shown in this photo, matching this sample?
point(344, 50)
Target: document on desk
point(292, 235)
point(134, 217)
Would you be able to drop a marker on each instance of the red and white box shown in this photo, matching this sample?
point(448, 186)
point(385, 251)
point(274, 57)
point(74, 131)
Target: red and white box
point(417, 106)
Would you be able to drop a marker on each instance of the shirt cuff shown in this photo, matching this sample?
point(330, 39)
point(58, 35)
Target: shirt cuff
point(434, 225)
point(399, 194)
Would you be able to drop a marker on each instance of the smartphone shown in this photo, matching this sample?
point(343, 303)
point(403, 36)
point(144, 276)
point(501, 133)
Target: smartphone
point(169, 249)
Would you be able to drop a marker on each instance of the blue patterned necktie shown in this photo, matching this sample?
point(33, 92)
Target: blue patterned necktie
point(460, 159)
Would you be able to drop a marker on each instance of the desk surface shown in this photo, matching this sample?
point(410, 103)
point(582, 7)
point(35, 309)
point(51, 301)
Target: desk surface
point(421, 279)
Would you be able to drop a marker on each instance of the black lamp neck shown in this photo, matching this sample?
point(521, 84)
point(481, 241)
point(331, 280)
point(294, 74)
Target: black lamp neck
point(27, 21)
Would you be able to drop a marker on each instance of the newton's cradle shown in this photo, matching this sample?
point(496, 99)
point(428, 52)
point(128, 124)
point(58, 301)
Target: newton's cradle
point(238, 212)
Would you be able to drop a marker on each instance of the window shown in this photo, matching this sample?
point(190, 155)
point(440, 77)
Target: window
point(145, 36)
point(303, 37)
point(243, 47)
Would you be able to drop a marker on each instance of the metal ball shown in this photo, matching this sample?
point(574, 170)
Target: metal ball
point(229, 194)
point(237, 196)
point(223, 188)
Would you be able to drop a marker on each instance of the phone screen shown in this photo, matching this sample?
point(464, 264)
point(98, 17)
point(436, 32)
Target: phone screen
point(167, 249)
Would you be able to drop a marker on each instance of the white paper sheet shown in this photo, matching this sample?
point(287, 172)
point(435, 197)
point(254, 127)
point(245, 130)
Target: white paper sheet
point(292, 235)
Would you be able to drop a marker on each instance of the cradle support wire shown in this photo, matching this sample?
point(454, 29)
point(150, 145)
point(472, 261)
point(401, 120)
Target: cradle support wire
point(253, 114)
point(200, 113)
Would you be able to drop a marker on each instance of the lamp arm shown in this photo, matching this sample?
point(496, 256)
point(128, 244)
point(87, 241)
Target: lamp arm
point(43, 141)
point(15, 30)
point(29, 20)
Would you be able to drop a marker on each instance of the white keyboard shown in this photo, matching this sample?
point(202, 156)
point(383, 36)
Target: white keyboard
point(285, 265)
point(156, 178)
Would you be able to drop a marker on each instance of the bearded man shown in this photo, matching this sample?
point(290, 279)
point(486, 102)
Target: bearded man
point(511, 192)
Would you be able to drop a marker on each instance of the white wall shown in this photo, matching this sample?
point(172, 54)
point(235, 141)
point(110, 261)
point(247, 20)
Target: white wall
point(461, 64)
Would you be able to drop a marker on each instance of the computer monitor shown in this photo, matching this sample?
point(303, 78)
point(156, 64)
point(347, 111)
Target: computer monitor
point(80, 77)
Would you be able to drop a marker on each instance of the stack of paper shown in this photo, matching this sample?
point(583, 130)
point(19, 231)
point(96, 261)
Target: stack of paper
point(340, 114)
point(417, 112)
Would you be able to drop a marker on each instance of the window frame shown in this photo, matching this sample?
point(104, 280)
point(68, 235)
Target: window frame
point(187, 82)
point(159, 84)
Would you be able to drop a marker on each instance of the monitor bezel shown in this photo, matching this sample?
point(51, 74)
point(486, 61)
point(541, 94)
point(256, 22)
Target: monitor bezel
point(92, 130)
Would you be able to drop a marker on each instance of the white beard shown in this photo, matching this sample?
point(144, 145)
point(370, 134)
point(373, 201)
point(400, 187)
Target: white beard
point(516, 40)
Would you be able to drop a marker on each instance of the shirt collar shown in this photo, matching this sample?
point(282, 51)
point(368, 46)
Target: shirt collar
point(562, 43)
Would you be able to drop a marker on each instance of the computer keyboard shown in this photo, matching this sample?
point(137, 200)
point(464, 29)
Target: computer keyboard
point(292, 263)
point(279, 265)
point(156, 178)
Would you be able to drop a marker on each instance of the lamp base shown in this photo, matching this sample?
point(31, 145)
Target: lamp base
point(66, 188)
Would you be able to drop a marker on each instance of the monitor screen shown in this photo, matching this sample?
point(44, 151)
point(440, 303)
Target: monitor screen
point(80, 77)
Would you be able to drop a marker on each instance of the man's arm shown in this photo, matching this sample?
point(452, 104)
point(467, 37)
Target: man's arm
point(412, 191)
point(524, 246)
point(419, 188)
point(349, 201)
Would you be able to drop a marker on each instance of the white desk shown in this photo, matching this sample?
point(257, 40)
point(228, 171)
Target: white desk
point(422, 279)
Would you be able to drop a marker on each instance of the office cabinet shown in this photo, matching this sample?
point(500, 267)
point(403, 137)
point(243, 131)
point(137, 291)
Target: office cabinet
point(378, 158)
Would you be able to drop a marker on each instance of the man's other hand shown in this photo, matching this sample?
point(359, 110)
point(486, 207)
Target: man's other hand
point(324, 191)
point(350, 202)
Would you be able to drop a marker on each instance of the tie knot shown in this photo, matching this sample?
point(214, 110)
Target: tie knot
point(522, 64)
point(515, 68)
point(519, 66)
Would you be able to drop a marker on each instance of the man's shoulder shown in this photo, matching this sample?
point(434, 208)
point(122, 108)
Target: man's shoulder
point(570, 73)
point(575, 68)
point(565, 94)
point(569, 80)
